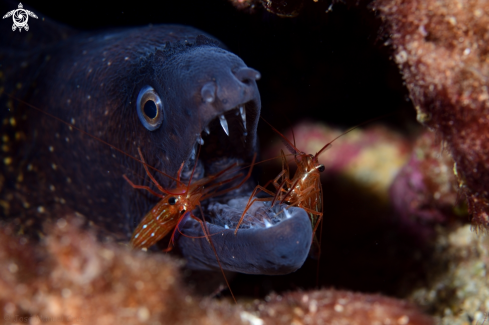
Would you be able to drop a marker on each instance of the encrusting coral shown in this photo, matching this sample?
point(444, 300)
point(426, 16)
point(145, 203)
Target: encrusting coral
point(457, 286)
point(425, 191)
point(338, 307)
point(442, 49)
point(70, 278)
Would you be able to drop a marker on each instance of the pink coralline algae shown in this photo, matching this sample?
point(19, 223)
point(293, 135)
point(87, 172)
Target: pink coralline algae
point(338, 307)
point(70, 278)
point(442, 49)
point(369, 158)
point(424, 193)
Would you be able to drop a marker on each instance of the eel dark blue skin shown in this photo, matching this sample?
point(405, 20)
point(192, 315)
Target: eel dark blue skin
point(93, 81)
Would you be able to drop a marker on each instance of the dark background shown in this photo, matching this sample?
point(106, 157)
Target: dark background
point(330, 66)
point(322, 66)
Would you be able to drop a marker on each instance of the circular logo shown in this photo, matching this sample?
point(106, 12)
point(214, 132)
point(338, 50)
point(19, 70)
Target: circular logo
point(20, 18)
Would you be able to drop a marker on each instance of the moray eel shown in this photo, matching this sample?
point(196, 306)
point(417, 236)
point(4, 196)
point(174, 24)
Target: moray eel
point(164, 89)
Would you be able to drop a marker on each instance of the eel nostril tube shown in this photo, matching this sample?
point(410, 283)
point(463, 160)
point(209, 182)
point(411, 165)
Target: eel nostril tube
point(208, 92)
point(245, 74)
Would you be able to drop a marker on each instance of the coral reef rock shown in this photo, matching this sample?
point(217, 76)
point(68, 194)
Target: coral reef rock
point(71, 278)
point(425, 192)
point(338, 307)
point(457, 288)
point(442, 49)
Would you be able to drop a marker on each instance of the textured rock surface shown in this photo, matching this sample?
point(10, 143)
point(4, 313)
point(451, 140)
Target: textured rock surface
point(457, 289)
point(442, 49)
point(338, 307)
point(72, 279)
point(425, 192)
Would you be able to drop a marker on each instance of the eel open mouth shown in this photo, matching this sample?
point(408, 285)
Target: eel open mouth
point(271, 240)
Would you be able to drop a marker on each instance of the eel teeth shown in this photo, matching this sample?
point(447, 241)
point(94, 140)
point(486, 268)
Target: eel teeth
point(224, 124)
point(206, 129)
point(193, 154)
point(200, 140)
point(242, 111)
point(267, 223)
point(287, 214)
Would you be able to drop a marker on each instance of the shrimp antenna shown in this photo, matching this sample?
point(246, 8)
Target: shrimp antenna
point(291, 130)
point(290, 146)
point(206, 232)
point(349, 130)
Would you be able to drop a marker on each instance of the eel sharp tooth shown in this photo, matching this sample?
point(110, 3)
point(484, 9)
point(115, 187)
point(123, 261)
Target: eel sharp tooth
point(200, 140)
point(287, 213)
point(192, 154)
point(242, 111)
point(206, 129)
point(224, 124)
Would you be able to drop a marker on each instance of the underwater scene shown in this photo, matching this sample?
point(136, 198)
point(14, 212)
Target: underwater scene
point(244, 162)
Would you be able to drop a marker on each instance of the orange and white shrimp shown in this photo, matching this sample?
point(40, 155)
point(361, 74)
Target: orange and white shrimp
point(166, 215)
point(304, 189)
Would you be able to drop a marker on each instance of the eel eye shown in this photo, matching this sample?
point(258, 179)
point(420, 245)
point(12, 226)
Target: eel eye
point(150, 108)
point(172, 201)
point(183, 211)
point(321, 168)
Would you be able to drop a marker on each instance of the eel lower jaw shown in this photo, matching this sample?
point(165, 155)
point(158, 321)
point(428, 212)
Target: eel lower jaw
point(271, 240)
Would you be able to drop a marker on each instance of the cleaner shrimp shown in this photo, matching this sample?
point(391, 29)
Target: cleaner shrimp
point(176, 203)
point(304, 189)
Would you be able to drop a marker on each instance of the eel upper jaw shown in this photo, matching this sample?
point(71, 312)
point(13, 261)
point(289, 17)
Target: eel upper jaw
point(229, 106)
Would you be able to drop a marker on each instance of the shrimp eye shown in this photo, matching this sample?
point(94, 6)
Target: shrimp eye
point(183, 211)
point(321, 168)
point(172, 201)
point(150, 108)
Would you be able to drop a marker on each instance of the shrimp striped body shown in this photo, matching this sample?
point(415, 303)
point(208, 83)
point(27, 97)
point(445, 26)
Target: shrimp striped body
point(167, 214)
point(304, 190)
point(164, 217)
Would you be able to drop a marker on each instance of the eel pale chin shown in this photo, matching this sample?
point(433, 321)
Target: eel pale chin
point(164, 89)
